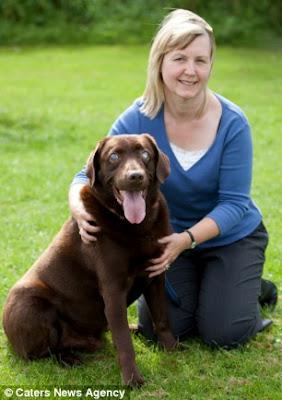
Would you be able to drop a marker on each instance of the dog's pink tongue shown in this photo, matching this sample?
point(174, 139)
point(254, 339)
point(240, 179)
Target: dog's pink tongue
point(134, 206)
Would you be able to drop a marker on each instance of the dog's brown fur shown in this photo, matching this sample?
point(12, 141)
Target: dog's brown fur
point(74, 291)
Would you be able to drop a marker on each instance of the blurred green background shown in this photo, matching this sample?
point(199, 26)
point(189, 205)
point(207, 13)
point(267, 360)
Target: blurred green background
point(250, 22)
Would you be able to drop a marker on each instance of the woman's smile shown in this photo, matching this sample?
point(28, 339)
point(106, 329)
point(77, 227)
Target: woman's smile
point(187, 82)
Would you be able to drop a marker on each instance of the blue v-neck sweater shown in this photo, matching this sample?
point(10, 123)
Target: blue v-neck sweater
point(217, 186)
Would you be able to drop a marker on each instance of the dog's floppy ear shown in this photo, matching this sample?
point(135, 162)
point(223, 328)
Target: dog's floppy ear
point(93, 163)
point(163, 164)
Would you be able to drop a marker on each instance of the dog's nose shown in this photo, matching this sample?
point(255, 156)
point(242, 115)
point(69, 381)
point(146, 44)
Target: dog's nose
point(135, 176)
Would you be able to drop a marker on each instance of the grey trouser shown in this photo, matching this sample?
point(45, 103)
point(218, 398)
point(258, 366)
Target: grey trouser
point(216, 292)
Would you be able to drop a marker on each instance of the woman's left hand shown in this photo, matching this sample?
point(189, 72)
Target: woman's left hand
point(175, 244)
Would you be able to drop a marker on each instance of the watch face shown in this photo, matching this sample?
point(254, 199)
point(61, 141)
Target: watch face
point(193, 245)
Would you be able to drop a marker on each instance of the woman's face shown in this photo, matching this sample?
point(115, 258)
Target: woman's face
point(186, 72)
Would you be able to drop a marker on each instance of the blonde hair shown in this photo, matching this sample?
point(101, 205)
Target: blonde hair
point(178, 29)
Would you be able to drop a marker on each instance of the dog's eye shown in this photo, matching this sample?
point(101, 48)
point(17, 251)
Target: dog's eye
point(145, 155)
point(114, 157)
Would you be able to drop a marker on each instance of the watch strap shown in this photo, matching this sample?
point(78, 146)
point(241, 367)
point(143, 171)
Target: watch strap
point(193, 241)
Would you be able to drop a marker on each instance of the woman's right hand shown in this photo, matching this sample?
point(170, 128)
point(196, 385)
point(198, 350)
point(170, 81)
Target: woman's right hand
point(85, 221)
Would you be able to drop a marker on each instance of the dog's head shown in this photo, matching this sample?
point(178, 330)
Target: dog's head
point(125, 169)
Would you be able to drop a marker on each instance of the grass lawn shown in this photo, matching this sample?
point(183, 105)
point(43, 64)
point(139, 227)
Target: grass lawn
point(55, 103)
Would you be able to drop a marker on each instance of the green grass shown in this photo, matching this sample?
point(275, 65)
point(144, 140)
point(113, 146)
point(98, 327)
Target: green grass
point(55, 103)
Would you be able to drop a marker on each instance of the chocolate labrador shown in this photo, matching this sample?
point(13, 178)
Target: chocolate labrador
point(75, 291)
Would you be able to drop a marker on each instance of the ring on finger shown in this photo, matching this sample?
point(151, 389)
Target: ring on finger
point(167, 266)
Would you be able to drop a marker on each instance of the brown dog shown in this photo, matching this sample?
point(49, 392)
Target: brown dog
point(74, 291)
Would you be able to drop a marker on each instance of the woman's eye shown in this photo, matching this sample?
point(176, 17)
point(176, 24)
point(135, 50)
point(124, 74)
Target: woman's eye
point(114, 157)
point(145, 155)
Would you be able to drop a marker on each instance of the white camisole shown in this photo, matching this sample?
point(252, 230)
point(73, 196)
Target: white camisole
point(187, 158)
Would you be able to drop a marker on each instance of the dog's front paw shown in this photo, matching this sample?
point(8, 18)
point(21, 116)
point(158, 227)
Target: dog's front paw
point(133, 378)
point(168, 342)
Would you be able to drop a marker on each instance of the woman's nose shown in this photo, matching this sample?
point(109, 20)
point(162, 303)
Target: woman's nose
point(190, 68)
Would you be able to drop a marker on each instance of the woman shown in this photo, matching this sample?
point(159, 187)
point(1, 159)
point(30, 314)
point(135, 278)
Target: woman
point(216, 255)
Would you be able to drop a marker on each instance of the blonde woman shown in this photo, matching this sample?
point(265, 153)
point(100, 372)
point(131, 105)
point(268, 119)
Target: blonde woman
point(214, 259)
